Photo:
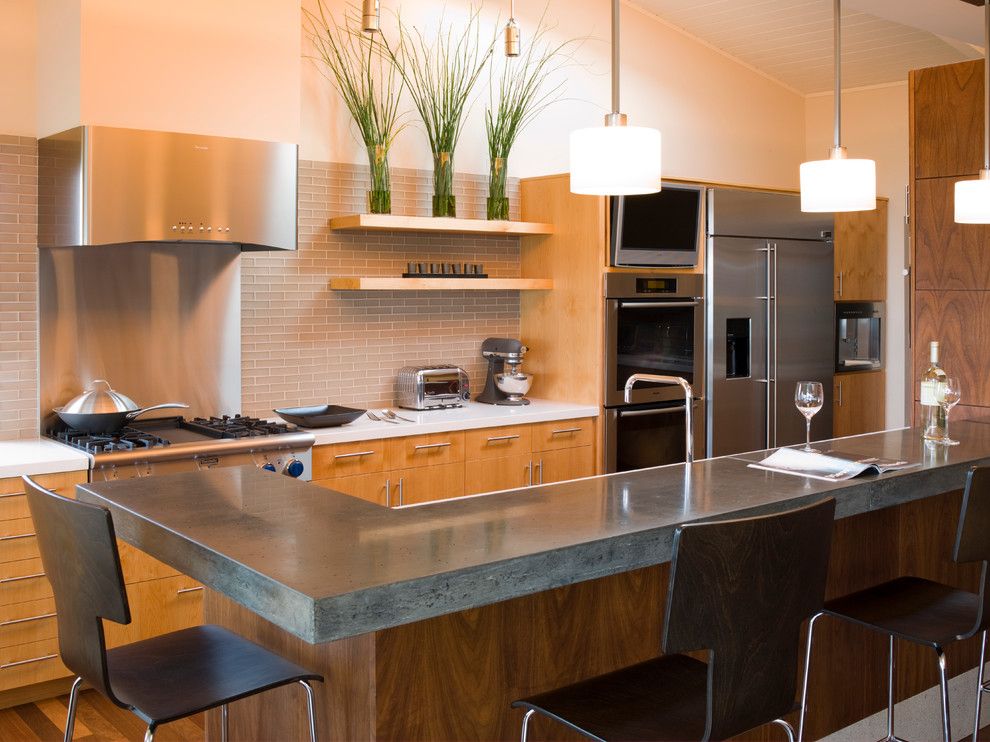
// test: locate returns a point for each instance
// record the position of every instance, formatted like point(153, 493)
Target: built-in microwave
point(658, 229)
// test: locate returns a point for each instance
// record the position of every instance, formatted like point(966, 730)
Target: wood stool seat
point(913, 609)
point(185, 672)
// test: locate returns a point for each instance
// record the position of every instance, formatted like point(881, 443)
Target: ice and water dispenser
point(737, 347)
point(858, 341)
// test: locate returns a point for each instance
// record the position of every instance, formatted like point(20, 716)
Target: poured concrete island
point(428, 620)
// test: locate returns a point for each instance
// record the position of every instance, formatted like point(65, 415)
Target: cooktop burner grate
point(238, 426)
point(127, 439)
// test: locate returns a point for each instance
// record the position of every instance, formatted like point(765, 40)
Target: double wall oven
point(654, 324)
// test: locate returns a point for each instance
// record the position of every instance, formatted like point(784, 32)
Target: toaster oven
point(432, 387)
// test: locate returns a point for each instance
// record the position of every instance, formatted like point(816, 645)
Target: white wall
point(18, 67)
point(875, 125)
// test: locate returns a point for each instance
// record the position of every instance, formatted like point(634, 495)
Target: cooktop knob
point(294, 468)
point(269, 467)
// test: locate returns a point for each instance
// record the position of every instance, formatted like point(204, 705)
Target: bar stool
point(925, 612)
point(162, 679)
point(740, 589)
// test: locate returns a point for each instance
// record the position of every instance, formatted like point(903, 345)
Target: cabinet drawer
point(17, 540)
point(23, 580)
point(12, 506)
point(139, 567)
point(426, 484)
point(424, 450)
point(563, 434)
point(158, 607)
point(34, 662)
point(348, 459)
point(564, 464)
point(490, 475)
point(22, 623)
point(370, 487)
point(497, 443)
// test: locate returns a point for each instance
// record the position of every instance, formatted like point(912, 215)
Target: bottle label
point(931, 393)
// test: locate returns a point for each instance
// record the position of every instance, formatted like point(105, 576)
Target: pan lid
point(100, 400)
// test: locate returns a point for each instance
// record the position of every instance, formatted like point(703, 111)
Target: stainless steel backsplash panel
point(160, 322)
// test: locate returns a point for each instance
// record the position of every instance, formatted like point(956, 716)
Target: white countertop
point(33, 456)
point(471, 416)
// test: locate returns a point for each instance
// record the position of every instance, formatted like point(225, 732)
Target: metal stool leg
point(149, 735)
point(787, 728)
point(980, 690)
point(891, 663)
point(943, 682)
point(807, 670)
point(70, 719)
point(310, 703)
point(525, 724)
point(224, 723)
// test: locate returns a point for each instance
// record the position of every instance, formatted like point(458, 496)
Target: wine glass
point(949, 398)
point(808, 398)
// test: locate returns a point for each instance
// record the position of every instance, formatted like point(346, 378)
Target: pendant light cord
point(838, 74)
point(615, 56)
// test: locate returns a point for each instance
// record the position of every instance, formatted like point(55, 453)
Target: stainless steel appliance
point(433, 387)
point(100, 185)
point(659, 229)
point(169, 445)
point(858, 335)
point(769, 272)
point(505, 384)
point(654, 325)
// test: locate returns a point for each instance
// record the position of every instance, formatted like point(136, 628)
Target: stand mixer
point(505, 386)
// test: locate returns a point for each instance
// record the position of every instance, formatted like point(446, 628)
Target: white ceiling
point(791, 40)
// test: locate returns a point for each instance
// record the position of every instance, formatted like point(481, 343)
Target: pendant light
point(973, 196)
point(838, 183)
point(371, 20)
point(615, 159)
point(512, 32)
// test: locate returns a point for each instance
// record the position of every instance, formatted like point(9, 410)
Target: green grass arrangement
point(523, 91)
point(370, 86)
point(440, 73)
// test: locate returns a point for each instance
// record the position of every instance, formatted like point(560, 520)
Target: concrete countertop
point(35, 456)
point(325, 566)
point(471, 416)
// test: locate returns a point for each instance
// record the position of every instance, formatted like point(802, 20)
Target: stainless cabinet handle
point(565, 430)
point(529, 473)
point(13, 494)
point(388, 493)
point(13, 621)
point(840, 394)
point(27, 662)
point(840, 283)
point(540, 467)
point(432, 445)
point(5, 580)
point(353, 455)
point(656, 304)
point(17, 536)
point(401, 479)
point(495, 438)
point(188, 590)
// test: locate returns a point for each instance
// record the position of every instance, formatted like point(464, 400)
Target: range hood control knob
point(269, 467)
point(294, 468)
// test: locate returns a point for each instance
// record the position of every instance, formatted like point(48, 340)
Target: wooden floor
point(97, 720)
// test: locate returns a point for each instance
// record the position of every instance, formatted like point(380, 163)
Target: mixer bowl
point(514, 384)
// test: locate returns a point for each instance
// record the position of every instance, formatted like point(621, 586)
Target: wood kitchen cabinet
point(858, 403)
point(563, 464)
point(427, 483)
point(491, 475)
point(861, 255)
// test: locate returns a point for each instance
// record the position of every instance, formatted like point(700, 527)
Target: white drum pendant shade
point(615, 160)
point(973, 201)
point(838, 184)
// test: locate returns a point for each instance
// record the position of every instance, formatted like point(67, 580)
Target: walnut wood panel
point(30, 621)
point(563, 434)
point(489, 475)
point(427, 483)
point(370, 487)
point(858, 402)
point(424, 450)
point(14, 505)
point(348, 459)
point(563, 464)
point(960, 321)
point(947, 121)
point(861, 254)
point(947, 255)
point(564, 327)
point(498, 443)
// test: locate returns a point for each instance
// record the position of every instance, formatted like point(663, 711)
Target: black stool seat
point(175, 675)
point(660, 699)
point(913, 609)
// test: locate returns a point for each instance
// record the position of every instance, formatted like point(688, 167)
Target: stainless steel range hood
point(102, 186)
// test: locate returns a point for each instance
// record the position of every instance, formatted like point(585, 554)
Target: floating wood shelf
point(388, 283)
point(396, 223)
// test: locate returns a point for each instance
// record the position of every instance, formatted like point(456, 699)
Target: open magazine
point(832, 466)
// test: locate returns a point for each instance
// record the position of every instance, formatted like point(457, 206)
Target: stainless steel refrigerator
point(770, 318)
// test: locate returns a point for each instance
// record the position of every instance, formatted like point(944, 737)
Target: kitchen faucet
point(688, 403)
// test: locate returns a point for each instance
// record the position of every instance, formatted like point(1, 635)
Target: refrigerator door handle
point(770, 342)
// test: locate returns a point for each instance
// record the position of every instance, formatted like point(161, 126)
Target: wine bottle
point(932, 389)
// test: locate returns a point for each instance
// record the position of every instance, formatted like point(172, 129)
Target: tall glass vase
point(444, 203)
point(380, 195)
point(498, 203)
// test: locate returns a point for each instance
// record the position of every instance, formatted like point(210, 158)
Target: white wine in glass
point(949, 398)
point(808, 398)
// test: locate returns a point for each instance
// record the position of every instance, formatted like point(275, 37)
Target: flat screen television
point(661, 229)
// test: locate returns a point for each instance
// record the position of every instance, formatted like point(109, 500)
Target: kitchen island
point(428, 619)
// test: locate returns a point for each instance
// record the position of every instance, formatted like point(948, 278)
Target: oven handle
point(661, 411)
point(656, 304)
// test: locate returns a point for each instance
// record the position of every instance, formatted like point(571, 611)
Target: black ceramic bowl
point(319, 416)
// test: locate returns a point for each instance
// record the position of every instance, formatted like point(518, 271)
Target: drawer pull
point(5, 580)
point(12, 494)
point(493, 439)
point(188, 590)
point(17, 536)
point(8, 665)
point(432, 445)
point(565, 430)
point(353, 455)
point(13, 621)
